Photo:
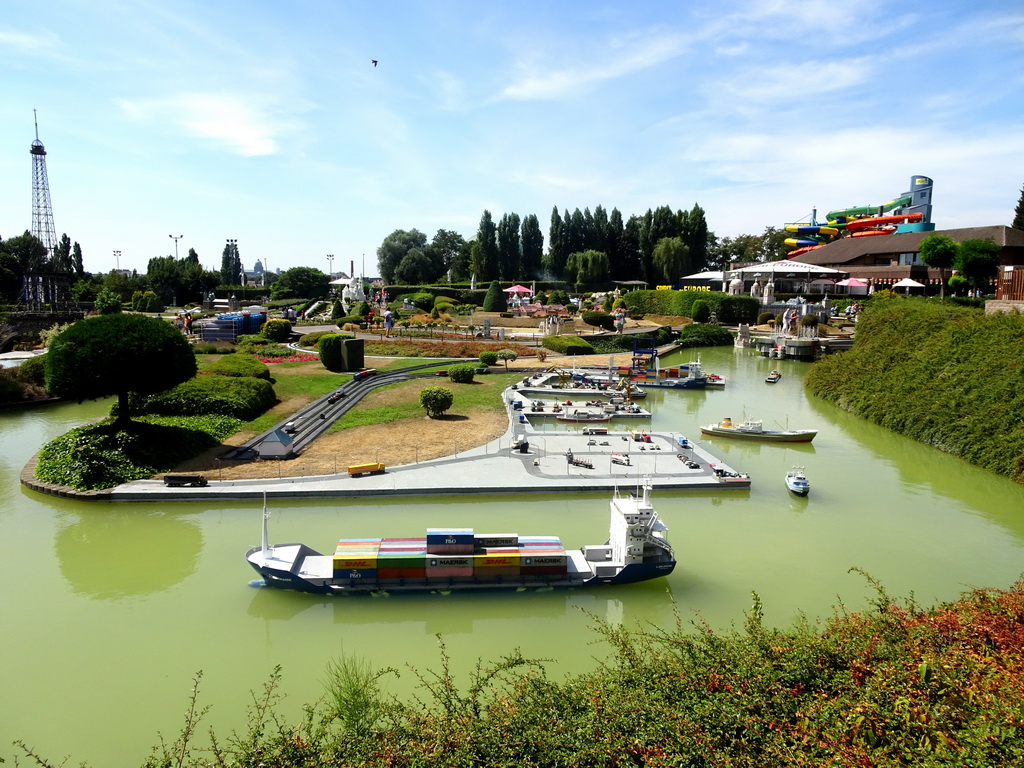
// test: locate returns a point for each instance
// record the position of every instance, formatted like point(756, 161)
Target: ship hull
point(287, 578)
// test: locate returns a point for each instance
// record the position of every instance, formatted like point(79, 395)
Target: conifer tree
point(1018, 214)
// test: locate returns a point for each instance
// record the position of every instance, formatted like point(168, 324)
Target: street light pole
point(175, 238)
point(117, 257)
point(330, 265)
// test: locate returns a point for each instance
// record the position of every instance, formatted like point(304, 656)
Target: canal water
point(108, 611)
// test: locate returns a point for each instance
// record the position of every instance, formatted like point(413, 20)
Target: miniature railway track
point(311, 421)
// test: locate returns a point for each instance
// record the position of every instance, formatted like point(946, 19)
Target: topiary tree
point(494, 301)
point(599, 319)
point(489, 358)
point(276, 330)
point(329, 347)
point(700, 312)
point(462, 374)
point(436, 400)
point(117, 354)
point(764, 317)
point(507, 355)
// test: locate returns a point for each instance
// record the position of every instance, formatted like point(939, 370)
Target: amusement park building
point(887, 260)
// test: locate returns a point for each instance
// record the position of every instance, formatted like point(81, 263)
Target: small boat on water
point(691, 376)
point(584, 415)
point(773, 377)
point(754, 430)
point(459, 559)
point(796, 481)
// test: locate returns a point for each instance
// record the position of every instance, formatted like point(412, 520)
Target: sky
point(266, 122)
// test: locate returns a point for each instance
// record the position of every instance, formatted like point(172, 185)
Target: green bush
point(704, 335)
point(607, 345)
point(568, 345)
point(240, 365)
point(436, 400)
point(146, 301)
point(331, 355)
point(700, 312)
point(729, 309)
point(599, 319)
point(96, 456)
point(239, 397)
point(422, 300)
point(463, 373)
point(764, 317)
point(32, 371)
point(489, 358)
point(276, 330)
point(810, 320)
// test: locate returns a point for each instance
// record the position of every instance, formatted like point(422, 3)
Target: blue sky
point(266, 122)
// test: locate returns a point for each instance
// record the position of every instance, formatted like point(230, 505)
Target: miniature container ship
point(459, 558)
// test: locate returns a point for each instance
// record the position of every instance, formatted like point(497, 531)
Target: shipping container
point(355, 573)
point(342, 562)
point(496, 540)
point(391, 572)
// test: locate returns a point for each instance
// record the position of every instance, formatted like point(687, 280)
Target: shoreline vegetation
point(945, 375)
point(894, 685)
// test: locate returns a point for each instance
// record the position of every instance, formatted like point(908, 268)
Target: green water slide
point(869, 210)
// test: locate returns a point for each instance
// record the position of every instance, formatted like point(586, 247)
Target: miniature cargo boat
point(754, 430)
point(452, 559)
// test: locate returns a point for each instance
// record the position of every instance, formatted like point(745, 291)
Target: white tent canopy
point(704, 276)
point(785, 266)
point(906, 282)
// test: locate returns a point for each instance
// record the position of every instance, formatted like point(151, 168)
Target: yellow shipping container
point(342, 562)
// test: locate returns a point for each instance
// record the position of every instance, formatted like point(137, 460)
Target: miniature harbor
point(528, 458)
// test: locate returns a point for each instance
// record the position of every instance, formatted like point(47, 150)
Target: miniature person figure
point(389, 322)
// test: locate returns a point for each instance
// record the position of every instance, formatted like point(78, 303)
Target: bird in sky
point(374, 62)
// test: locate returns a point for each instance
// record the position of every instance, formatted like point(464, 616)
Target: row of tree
point(583, 247)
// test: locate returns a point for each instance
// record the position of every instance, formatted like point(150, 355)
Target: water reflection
point(109, 553)
point(457, 612)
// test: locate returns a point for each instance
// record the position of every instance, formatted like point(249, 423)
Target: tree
point(696, 238)
point(231, 264)
point(415, 268)
point(486, 265)
point(19, 255)
point(436, 400)
point(107, 302)
point(494, 299)
point(301, 283)
point(532, 240)
point(117, 354)
point(1018, 213)
point(939, 252)
point(394, 248)
point(670, 260)
point(76, 260)
point(510, 266)
point(507, 356)
point(554, 260)
point(978, 262)
point(62, 255)
point(445, 249)
point(586, 267)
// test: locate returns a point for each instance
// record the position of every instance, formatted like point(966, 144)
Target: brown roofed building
point(890, 258)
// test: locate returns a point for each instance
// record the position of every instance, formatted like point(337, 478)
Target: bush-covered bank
point(948, 376)
point(102, 456)
point(896, 685)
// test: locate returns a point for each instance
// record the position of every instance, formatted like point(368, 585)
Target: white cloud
point(248, 126)
point(543, 78)
point(27, 43)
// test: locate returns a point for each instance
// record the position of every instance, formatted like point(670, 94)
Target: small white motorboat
point(796, 481)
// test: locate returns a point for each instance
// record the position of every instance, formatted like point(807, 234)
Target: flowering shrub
point(289, 359)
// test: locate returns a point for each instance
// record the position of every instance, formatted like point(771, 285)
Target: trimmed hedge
point(729, 309)
point(331, 355)
point(240, 365)
point(599, 320)
point(568, 345)
point(704, 335)
point(243, 398)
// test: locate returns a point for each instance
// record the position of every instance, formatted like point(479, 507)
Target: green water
point(110, 610)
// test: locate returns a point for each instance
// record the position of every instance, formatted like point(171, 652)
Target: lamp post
point(175, 238)
point(330, 265)
point(117, 258)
